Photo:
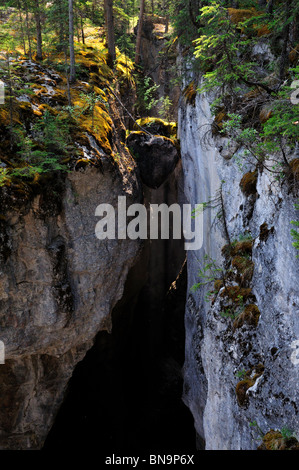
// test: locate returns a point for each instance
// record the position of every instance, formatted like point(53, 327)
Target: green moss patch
point(249, 380)
point(157, 126)
point(190, 93)
point(234, 293)
point(274, 440)
point(244, 267)
point(250, 316)
point(240, 248)
point(248, 183)
point(294, 164)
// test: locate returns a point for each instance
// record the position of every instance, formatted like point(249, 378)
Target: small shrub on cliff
point(4, 177)
point(220, 47)
point(165, 107)
point(146, 95)
point(235, 310)
point(43, 150)
point(211, 272)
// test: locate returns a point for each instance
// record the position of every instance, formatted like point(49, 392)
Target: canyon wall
point(241, 377)
point(59, 284)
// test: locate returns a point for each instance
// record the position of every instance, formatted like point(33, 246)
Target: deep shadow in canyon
point(126, 393)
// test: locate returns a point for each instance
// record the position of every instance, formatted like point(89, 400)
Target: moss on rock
point(274, 440)
point(234, 293)
point(238, 15)
point(250, 316)
point(240, 248)
point(157, 126)
point(218, 284)
point(244, 267)
point(190, 93)
point(217, 124)
point(249, 380)
point(294, 164)
point(248, 183)
point(241, 390)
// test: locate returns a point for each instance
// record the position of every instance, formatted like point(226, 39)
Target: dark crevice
point(127, 392)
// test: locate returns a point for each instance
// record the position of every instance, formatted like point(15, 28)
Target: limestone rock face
point(58, 285)
point(238, 373)
point(156, 157)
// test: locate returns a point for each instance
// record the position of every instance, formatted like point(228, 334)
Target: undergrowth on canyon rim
point(255, 105)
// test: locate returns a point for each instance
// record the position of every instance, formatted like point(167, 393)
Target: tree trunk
point(21, 26)
point(28, 30)
point(262, 3)
point(270, 6)
point(153, 7)
point(139, 32)
point(62, 38)
point(109, 19)
point(166, 14)
point(69, 97)
point(166, 24)
point(71, 43)
point(93, 8)
point(192, 15)
point(39, 52)
point(76, 15)
point(82, 30)
point(284, 59)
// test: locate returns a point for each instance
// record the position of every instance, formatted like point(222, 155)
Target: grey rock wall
point(216, 351)
point(58, 286)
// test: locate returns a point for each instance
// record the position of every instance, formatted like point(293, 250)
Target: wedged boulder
point(157, 126)
point(155, 155)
